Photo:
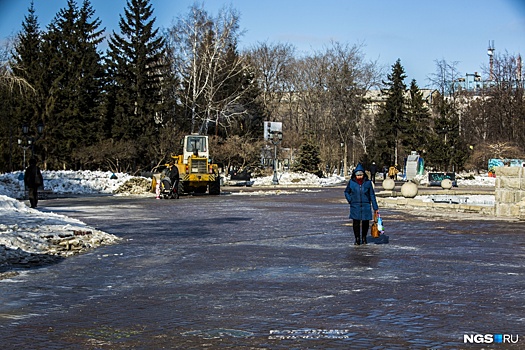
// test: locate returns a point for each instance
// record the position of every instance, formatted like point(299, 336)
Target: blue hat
point(359, 168)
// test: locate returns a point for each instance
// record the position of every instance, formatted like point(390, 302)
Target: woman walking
point(361, 196)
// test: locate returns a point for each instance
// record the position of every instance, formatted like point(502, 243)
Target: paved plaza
point(271, 271)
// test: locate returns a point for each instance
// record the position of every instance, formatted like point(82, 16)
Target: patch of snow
point(298, 179)
point(488, 200)
point(65, 182)
point(29, 237)
point(462, 181)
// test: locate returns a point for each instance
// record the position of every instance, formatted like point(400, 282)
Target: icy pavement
point(279, 272)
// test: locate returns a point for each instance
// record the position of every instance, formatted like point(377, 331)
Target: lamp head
point(40, 127)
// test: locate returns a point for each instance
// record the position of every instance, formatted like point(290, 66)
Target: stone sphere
point(409, 190)
point(446, 184)
point(388, 184)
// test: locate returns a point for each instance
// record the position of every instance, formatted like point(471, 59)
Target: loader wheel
point(215, 186)
point(181, 189)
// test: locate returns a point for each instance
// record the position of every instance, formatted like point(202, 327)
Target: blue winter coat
point(361, 198)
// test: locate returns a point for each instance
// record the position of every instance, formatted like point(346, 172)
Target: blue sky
point(417, 32)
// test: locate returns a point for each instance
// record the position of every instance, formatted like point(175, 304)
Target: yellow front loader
point(197, 174)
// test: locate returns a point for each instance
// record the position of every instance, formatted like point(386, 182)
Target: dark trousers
point(33, 196)
point(360, 228)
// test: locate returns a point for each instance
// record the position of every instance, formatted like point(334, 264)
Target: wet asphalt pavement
point(270, 272)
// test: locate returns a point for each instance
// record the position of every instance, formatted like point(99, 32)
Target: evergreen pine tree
point(17, 102)
point(448, 151)
point(418, 117)
point(74, 76)
point(392, 120)
point(28, 65)
point(308, 159)
point(137, 64)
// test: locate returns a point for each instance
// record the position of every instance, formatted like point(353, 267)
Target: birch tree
point(212, 75)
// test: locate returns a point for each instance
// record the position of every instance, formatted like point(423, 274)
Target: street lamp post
point(353, 149)
point(277, 137)
point(449, 150)
point(28, 144)
point(453, 151)
point(341, 168)
point(28, 141)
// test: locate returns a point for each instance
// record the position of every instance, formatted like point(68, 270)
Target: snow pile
point(462, 181)
point(298, 179)
point(9, 204)
point(483, 200)
point(83, 181)
point(66, 182)
point(477, 181)
point(29, 237)
point(135, 185)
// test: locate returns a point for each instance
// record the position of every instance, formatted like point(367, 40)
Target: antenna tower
point(490, 52)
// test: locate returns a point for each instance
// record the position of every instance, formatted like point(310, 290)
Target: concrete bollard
point(446, 184)
point(409, 190)
point(389, 185)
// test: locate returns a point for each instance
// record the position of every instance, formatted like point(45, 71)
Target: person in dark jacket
point(373, 172)
point(33, 180)
point(173, 174)
point(361, 196)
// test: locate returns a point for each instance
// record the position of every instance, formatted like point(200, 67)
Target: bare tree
point(495, 115)
point(506, 100)
point(477, 121)
point(309, 82)
point(8, 80)
point(445, 76)
point(11, 88)
point(350, 76)
point(445, 79)
point(184, 39)
point(318, 96)
point(236, 151)
point(272, 64)
point(206, 64)
point(12, 82)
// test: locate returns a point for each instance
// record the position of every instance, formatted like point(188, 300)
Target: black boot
point(364, 238)
point(357, 240)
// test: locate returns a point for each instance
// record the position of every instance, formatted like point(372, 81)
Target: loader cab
point(195, 145)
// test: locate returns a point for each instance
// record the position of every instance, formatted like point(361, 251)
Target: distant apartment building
point(376, 99)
